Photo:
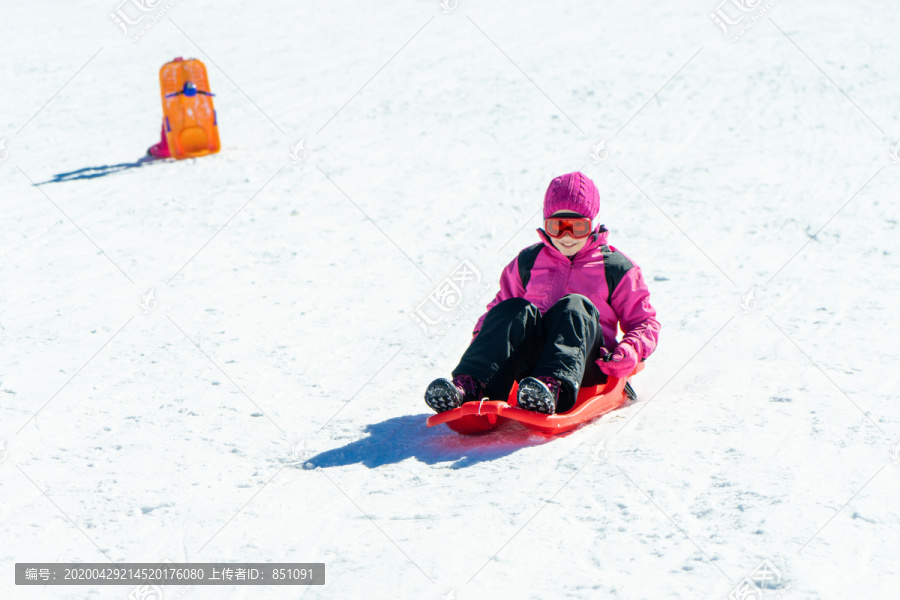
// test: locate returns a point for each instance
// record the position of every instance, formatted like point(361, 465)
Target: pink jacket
point(555, 275)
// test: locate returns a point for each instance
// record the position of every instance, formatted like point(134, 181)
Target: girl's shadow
point(399, 438)
point(100, 170)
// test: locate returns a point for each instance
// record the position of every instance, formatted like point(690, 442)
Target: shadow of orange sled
point(189, 117)
point(592, 402)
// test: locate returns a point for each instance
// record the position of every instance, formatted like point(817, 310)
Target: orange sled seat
point(189, 118)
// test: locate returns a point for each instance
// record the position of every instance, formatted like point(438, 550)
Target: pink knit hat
point(575, 192)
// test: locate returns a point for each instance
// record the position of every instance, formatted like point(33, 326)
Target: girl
point(559, 307)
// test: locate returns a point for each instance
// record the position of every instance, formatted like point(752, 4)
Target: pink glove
point(621, 362)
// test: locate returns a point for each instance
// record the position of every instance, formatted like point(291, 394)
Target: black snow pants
point(516, 341)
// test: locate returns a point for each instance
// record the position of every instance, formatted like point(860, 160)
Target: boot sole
point(535, 396)
point(442, 396)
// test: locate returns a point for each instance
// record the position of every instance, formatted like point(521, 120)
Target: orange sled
point(189, 118)
point(592, 402)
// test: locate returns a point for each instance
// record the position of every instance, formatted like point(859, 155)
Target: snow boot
point(443, 394)
point(538, 394)
point(160, 150)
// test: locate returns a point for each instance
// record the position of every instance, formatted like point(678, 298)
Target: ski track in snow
point(264, 405)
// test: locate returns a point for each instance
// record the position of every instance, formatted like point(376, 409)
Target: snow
point(265, 404)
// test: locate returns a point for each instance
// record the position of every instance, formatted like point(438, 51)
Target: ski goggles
point(579, 227)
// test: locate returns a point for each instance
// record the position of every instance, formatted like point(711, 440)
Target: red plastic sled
point(592, 402)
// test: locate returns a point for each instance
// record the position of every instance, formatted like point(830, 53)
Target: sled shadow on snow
point(100, 171)
point(399, 438)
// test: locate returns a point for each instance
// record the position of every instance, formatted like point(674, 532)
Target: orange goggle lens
point(579, 228)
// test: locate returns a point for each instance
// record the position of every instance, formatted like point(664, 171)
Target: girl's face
point(567, 244)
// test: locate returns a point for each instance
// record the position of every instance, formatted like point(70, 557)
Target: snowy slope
point(264, 404)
